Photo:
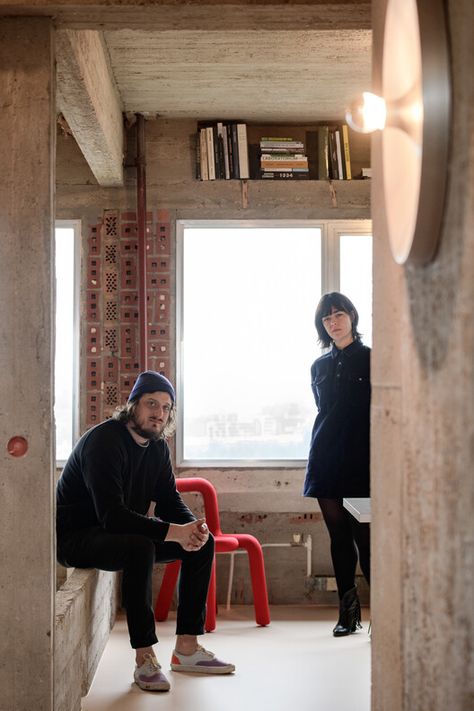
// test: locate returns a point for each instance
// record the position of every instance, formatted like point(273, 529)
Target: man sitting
point(116, 473)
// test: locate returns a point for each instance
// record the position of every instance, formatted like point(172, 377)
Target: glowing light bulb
point(367, 113)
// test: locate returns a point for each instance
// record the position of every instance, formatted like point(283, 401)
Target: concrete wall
point(423, 434)
point(266, 502)
point(85, 612)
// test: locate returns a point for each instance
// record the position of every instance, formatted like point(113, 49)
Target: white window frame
point(75, 225)
point(331, 231)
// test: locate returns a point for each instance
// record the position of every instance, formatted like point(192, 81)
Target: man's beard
point(151, 435)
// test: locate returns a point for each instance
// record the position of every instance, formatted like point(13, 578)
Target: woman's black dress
point(339, 457)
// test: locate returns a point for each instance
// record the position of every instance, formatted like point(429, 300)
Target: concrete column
point(387, 476)
point(423, 432)
point(386, 438)
point(27, 147)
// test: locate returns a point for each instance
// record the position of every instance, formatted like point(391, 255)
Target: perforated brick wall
point(111, 328)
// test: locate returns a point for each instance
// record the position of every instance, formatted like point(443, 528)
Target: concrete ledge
point(86, 607)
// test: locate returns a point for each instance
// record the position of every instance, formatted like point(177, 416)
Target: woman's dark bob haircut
point(339, 302)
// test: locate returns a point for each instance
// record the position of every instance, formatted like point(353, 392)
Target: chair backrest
point(209, 495)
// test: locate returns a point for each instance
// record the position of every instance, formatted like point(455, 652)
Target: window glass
point(246, 337)
point(356, 278)
point(248, 341)
point(65, 360)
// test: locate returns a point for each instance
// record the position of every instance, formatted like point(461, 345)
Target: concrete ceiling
point(260, 76)
point(270, 61)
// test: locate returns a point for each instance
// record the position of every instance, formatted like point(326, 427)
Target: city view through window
point(247, 340)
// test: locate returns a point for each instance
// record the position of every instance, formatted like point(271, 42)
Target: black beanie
point(151, 382)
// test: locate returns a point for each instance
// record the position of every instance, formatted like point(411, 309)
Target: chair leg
point(210, 624)
point(230, 580)
point(257, 575)
point(168, 584)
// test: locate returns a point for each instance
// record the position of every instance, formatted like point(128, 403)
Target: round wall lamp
point(414, 117)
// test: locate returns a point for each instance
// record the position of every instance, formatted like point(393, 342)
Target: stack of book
point(222, 151)
point(282, 158)
point(334, 159)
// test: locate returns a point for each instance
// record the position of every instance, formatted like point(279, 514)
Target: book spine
point(333, 174)
point(220, 151)
point(286, 169)
point(210, 153)
point(203, 154)
point(323, 153)
point(286, 157)
point(226, 151)
point(294, 147)
point(243, 151)
point(276, 139)
point(269, 150)
point(231, 150)
point(347, 153)
point(198, 156)
point(254, 161)
point(235, 151)
point(340, 167)
point(217, 166)
point(284, 175)
point(284, 165)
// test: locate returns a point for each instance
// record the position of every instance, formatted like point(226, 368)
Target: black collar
point(347, 351)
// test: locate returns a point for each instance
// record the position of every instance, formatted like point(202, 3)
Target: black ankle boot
point(349, 614)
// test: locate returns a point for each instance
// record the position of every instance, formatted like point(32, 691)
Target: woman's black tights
point(349, 540)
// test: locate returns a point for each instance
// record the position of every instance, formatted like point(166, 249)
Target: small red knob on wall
point(17, 446)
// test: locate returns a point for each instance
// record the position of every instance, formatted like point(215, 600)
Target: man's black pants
point(136, 555)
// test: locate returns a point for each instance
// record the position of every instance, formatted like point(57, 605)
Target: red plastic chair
point(224, 543)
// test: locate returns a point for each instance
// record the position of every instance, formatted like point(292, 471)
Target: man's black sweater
point(109, 480)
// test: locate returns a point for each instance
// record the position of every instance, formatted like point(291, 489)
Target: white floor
point(294, 664)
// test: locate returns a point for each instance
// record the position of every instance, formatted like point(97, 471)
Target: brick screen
point(111, 327)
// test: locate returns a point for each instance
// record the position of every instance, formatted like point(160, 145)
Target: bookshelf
point(309, 135)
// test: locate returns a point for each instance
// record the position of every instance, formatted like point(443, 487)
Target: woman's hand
point(190, 536)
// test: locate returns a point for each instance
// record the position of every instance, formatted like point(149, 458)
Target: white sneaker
point(201, 662)
point(149, 675)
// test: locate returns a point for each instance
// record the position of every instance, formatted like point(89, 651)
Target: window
point(247, 293)
point(355, 276)
point(67, 235)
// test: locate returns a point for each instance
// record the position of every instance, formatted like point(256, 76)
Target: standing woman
point(338, 462)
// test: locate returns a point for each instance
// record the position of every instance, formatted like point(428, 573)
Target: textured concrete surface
point(423, 430)
point(278, 75)
point(89, 100)
point(26, 330)
point(86, 606)
point(178, 60)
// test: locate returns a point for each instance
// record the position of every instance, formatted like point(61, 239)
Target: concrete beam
point(229, 15)
point(88, 99)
